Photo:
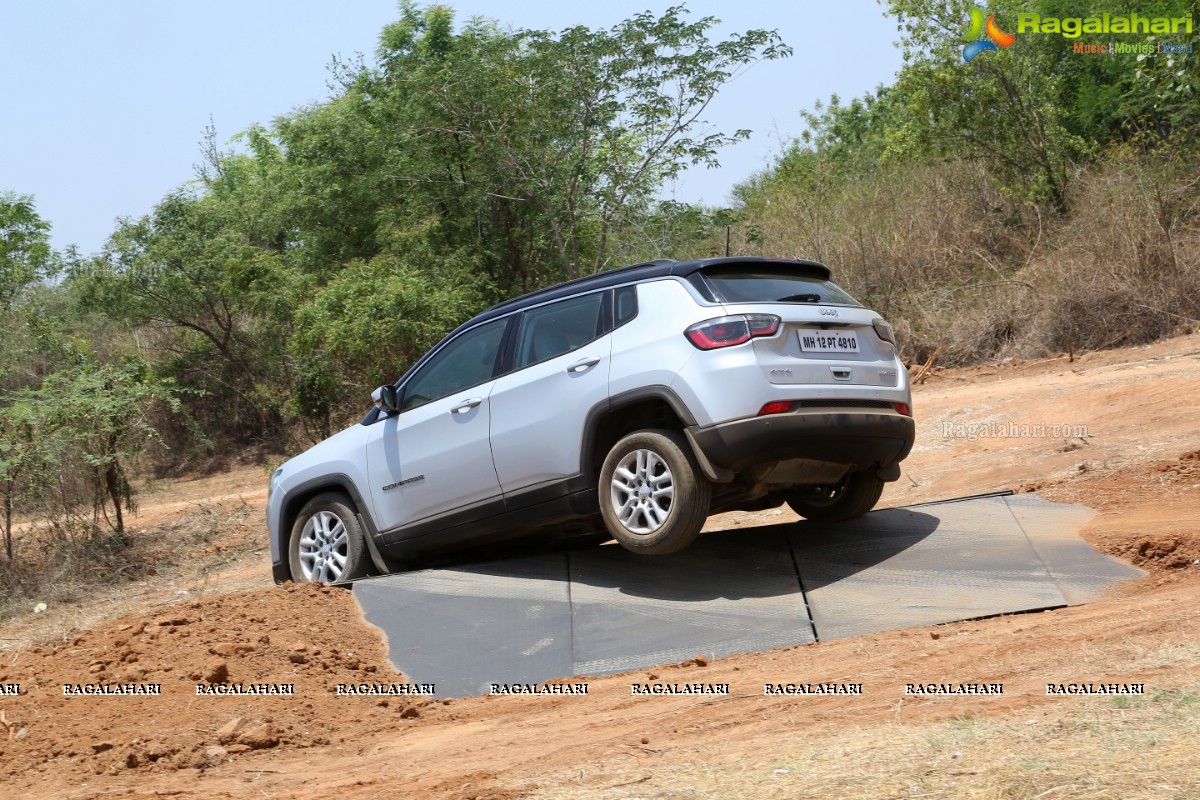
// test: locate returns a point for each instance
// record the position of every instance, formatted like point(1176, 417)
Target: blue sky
point(105, 104)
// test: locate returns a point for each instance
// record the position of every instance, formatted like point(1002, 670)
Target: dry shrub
point(961, 270)
point(924, 246)
point(66, 560)
point(898, 230)
point(1125, 265)
point(62, 559)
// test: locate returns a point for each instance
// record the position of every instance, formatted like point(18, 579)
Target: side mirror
point(385, 398)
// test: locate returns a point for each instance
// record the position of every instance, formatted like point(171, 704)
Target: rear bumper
point(858, 440)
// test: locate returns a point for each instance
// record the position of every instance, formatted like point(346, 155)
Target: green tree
point(25, 254)
point(22, 452)
point(1004, 108)
point(468, 164)
point(73, 440)
point(217, 302)
point(373, 320)
point(579, 127)
point(1034, 110)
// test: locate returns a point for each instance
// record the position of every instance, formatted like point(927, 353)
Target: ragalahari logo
point(983, 37)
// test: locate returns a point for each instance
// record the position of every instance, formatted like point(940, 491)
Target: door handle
point(584, 363)
point(466, 405)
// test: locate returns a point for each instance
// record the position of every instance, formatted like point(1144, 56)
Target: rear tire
point(327, 542)
point(653, 496)
point(854, 495)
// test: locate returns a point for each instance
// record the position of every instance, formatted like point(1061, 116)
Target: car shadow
point(828, 553)
point(735, 564)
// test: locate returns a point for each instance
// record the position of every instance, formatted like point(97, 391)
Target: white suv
point(638, 400)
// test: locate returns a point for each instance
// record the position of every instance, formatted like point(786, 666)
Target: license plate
point(814, 340)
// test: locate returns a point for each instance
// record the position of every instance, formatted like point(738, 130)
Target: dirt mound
point(1149, 512)
point(309, 638)
point(1171, 551)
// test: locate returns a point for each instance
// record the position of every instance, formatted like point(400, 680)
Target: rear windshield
point(773, 286)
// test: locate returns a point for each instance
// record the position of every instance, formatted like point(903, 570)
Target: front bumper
point(859, 440)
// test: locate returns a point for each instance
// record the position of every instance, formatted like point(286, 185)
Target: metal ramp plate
point(902, 567)
point(1082, 574)
point(505, 621)
point(727, 593)
point(604, 610)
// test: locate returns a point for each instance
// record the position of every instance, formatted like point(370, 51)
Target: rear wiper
point(800, 298)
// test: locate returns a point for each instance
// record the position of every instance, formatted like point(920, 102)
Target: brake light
point(775, 407)
point(902, 408)
point(733, 330)
point(883, 330)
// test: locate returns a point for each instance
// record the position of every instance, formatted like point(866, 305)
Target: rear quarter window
point(773, 286)
point(626, 305)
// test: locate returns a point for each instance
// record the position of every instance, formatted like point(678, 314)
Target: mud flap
point(888, 474)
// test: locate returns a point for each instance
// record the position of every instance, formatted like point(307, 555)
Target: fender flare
point(295, 497)
point(628, 398)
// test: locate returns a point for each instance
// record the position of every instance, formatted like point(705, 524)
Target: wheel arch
point(300, 494)
point(646, 407)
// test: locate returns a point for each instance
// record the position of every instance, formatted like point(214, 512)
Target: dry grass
point(959, 268)
point(1110, 748)
point(67, 572)
point(1126, 266)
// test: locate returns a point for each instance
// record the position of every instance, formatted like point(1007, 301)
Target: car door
point(560, 372)
point(433, 458)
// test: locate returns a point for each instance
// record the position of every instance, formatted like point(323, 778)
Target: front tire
point(653, 497)
point(852, 496)
point(327, 542)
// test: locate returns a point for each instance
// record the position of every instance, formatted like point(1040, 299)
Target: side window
point(558, 328)
point(467, 361)
point(626, 305)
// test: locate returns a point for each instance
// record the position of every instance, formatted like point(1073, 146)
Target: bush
point(960, 269)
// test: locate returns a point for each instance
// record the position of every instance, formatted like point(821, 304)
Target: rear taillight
point(902, 408)
point(883, 330)
point(729, 331)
